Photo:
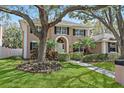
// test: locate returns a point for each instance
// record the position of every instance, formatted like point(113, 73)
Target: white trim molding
point(67, 42)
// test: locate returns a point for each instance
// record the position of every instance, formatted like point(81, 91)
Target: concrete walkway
point(96, 69)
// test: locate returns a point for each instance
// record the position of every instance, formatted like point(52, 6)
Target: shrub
point(95, 57)
point(100, 57)
point(113, 56)
point(63, 57)
point(52, 55)
point(76, 56)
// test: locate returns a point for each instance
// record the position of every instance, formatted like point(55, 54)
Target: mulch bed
point(39, 67)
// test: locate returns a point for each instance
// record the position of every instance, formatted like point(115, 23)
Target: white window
point(38, 28)
point(79, 32)
point(33, 45)
point(61, 30)
point(112, 47)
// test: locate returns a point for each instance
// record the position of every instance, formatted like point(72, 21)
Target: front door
point(60, 47)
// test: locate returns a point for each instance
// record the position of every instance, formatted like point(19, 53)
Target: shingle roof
point(66, 23)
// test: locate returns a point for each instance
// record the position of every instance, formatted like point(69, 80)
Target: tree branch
point(24, 16)
point(73, 8)
point(111, 28)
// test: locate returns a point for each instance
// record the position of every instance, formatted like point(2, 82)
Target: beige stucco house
point(66, 33)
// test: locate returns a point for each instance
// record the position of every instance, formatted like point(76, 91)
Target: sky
point(16, 19)
point(32, 12)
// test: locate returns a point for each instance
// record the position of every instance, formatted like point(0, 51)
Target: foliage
point(76, 45)
point(88, 42)
point(12, 37)
point(76, 56)
point(51, 44)
point(95, 57)
point(52, 55)
point(100, 57)
point(63, 57)
point(34, 53)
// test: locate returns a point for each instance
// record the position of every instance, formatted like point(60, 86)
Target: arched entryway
point(62, 44)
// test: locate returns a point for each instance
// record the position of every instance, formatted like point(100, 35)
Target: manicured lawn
point(106, 65)
point(70, 76)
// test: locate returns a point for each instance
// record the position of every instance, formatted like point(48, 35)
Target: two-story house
point(64, 33)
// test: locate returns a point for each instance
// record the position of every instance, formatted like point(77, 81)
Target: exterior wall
point(71, 39)
point(31, 37)
point(98, 48)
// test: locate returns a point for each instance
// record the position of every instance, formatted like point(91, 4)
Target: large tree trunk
point(122, 47)
point(42, 47)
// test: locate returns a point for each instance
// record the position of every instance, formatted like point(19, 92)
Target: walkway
point(97, 69)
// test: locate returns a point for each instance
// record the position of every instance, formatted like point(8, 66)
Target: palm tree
point(77, 45)
point(87, 43)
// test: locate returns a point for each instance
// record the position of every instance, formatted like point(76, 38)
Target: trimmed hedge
point(76, 56)
point(63, 57)
point(100, 57)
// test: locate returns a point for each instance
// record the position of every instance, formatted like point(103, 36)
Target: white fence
point(8, 52)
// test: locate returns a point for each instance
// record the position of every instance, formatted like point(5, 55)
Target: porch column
point(104, 50)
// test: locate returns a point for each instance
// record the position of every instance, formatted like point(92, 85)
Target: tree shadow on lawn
point(86, 78)
point(93, 82)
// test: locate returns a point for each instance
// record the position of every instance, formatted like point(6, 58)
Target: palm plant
point(77, 45)
point(87, 43)
point(51, 44)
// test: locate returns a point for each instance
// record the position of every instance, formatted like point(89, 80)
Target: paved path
point(97, 69)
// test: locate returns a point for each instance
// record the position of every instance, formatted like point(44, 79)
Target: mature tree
point(112, 18)
point(56, 13)
point(12, 37)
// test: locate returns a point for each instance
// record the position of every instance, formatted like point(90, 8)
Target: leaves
point(12, 37)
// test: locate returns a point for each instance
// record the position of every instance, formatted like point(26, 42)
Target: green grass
point(106, 65)
point(70, 76)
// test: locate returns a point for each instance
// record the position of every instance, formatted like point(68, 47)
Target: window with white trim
point(38, 28)
point(61, 30)
point(79, 32)
point(33, 45)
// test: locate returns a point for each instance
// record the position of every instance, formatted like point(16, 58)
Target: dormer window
point(62, 30)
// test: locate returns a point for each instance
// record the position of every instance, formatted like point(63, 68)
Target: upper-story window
point(79, 32)
point(38, 29)
point(62, 30)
